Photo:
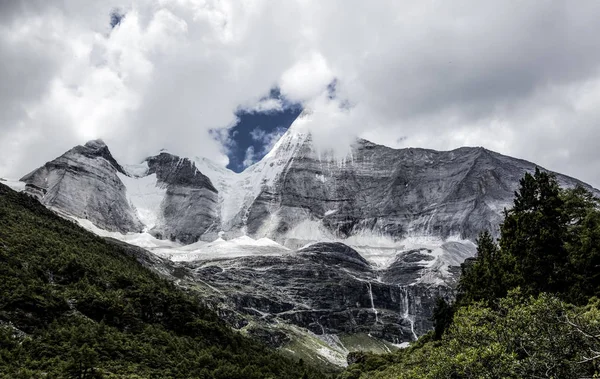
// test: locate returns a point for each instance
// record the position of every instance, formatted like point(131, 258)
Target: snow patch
point(143, 240)
point(217, 249)
point(310, 230)
point(136, 170)
point(14, 184)
point(145, 196)
point(267, 242)
point(220, 248)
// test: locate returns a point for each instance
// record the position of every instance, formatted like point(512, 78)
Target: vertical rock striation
point(83, 183)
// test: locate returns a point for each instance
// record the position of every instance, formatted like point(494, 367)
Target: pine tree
point(481, 278)
point(532, 237)
point(442, 317)
point(582, 243)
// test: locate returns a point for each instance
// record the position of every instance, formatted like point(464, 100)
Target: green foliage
point(481, 278)
point(523, 337)
point(74, 305)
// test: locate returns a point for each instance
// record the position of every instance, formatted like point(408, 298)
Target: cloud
point(519, 78)
point(266, 106)
point(169, 74)
point(250, 157)
point(267, 139)
point(306, 79)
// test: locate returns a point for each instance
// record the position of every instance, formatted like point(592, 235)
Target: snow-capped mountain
point(295, 195)
point(334, 245)
point(165, 195)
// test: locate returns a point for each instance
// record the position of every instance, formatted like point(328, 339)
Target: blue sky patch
point(116, 16)
point(258, 129)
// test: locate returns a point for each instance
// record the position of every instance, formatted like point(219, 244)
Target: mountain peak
point(97, 148)
point(95, 144)
point(171, 169)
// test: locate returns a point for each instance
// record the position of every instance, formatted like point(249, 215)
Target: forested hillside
point(527, 305)
point(75, 305)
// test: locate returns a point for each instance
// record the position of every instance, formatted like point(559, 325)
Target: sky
point(224, 78)
point(257, 130)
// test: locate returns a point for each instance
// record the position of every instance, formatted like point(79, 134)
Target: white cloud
point(250, 157)
point(266, 106)
point(167, 76)
point(519, 78)
point(306, 79)
point(267, 139)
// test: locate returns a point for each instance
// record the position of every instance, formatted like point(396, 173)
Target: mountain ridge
point(470, 184)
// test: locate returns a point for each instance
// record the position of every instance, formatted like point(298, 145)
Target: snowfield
point(380, 252)
point(145, 196)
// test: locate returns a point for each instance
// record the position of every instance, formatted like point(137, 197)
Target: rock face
point(165, 195)
point(84, 183)
point(327, 288)
point(377, 190)
point(295, 195)
point(189, 208)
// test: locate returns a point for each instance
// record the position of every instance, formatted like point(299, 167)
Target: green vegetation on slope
point(514, 317)
point(75, 305)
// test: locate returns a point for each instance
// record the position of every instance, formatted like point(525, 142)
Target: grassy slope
point(75, 305)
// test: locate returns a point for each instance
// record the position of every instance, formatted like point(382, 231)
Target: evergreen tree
point(442, 317)
point(550, 242)
point(532, 237)
point(481, 278)
point(582, 243)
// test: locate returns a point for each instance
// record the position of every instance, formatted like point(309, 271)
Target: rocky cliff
point(306, 195)
point(83, 183)
point(165, 195)
point(328, 288)
point(189, 207)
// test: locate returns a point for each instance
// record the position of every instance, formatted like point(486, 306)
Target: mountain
point(188, 211)
point(84, 183)
point(359, 245)
point(298, 194)
point(165, 195)
point(295, 195)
